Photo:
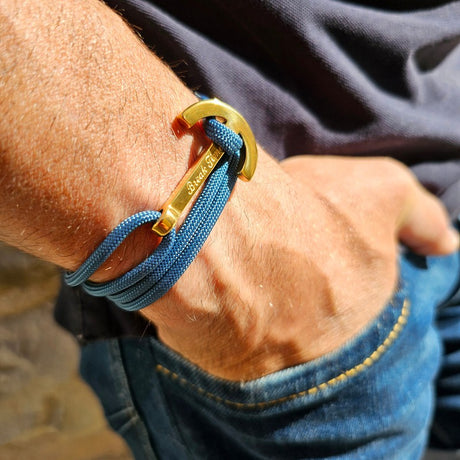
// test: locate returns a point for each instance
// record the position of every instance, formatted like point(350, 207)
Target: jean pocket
point(308, 380)
point(372, 398)
point(342, 403)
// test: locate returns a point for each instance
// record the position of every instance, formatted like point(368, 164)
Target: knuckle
point(399, 176)
point(395, 168)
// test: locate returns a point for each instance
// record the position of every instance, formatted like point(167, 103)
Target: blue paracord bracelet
point(151, 279)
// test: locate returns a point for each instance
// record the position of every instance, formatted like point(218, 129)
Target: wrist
point(146, 178)
point(165, 266)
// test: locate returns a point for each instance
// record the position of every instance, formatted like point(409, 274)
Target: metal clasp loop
point(206, 162)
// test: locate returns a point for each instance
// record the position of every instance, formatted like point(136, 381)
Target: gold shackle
point(208, 159)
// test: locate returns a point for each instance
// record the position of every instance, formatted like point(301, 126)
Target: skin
point(86, 140)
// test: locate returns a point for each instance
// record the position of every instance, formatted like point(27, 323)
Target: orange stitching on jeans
point(368, 362)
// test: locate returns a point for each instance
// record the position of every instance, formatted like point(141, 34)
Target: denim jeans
point(374, 398)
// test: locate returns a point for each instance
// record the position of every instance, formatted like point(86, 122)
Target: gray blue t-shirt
point(356, 78)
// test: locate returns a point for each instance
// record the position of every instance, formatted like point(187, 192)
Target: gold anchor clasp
point(207, 161)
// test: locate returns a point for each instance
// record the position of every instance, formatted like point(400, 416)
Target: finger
point(425, 226)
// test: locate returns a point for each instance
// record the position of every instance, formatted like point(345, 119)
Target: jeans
point(375, 398)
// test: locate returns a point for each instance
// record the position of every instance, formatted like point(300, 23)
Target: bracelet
point(232, 154)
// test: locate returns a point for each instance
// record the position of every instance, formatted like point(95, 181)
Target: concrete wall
point(46, 411)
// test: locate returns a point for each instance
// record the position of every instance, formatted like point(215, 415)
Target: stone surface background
point(46, 411)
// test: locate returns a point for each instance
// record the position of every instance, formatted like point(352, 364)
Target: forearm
point(85, 132)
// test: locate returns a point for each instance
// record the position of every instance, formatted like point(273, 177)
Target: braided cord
point(153, 277)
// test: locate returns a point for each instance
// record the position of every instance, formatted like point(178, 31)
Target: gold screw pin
point(207, 161)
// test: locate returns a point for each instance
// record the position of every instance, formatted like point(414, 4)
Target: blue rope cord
point(153, 278)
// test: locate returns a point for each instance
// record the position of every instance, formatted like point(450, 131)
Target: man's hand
point(299, 263)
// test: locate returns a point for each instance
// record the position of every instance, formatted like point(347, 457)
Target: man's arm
point(85, 132)
point(86, 140)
